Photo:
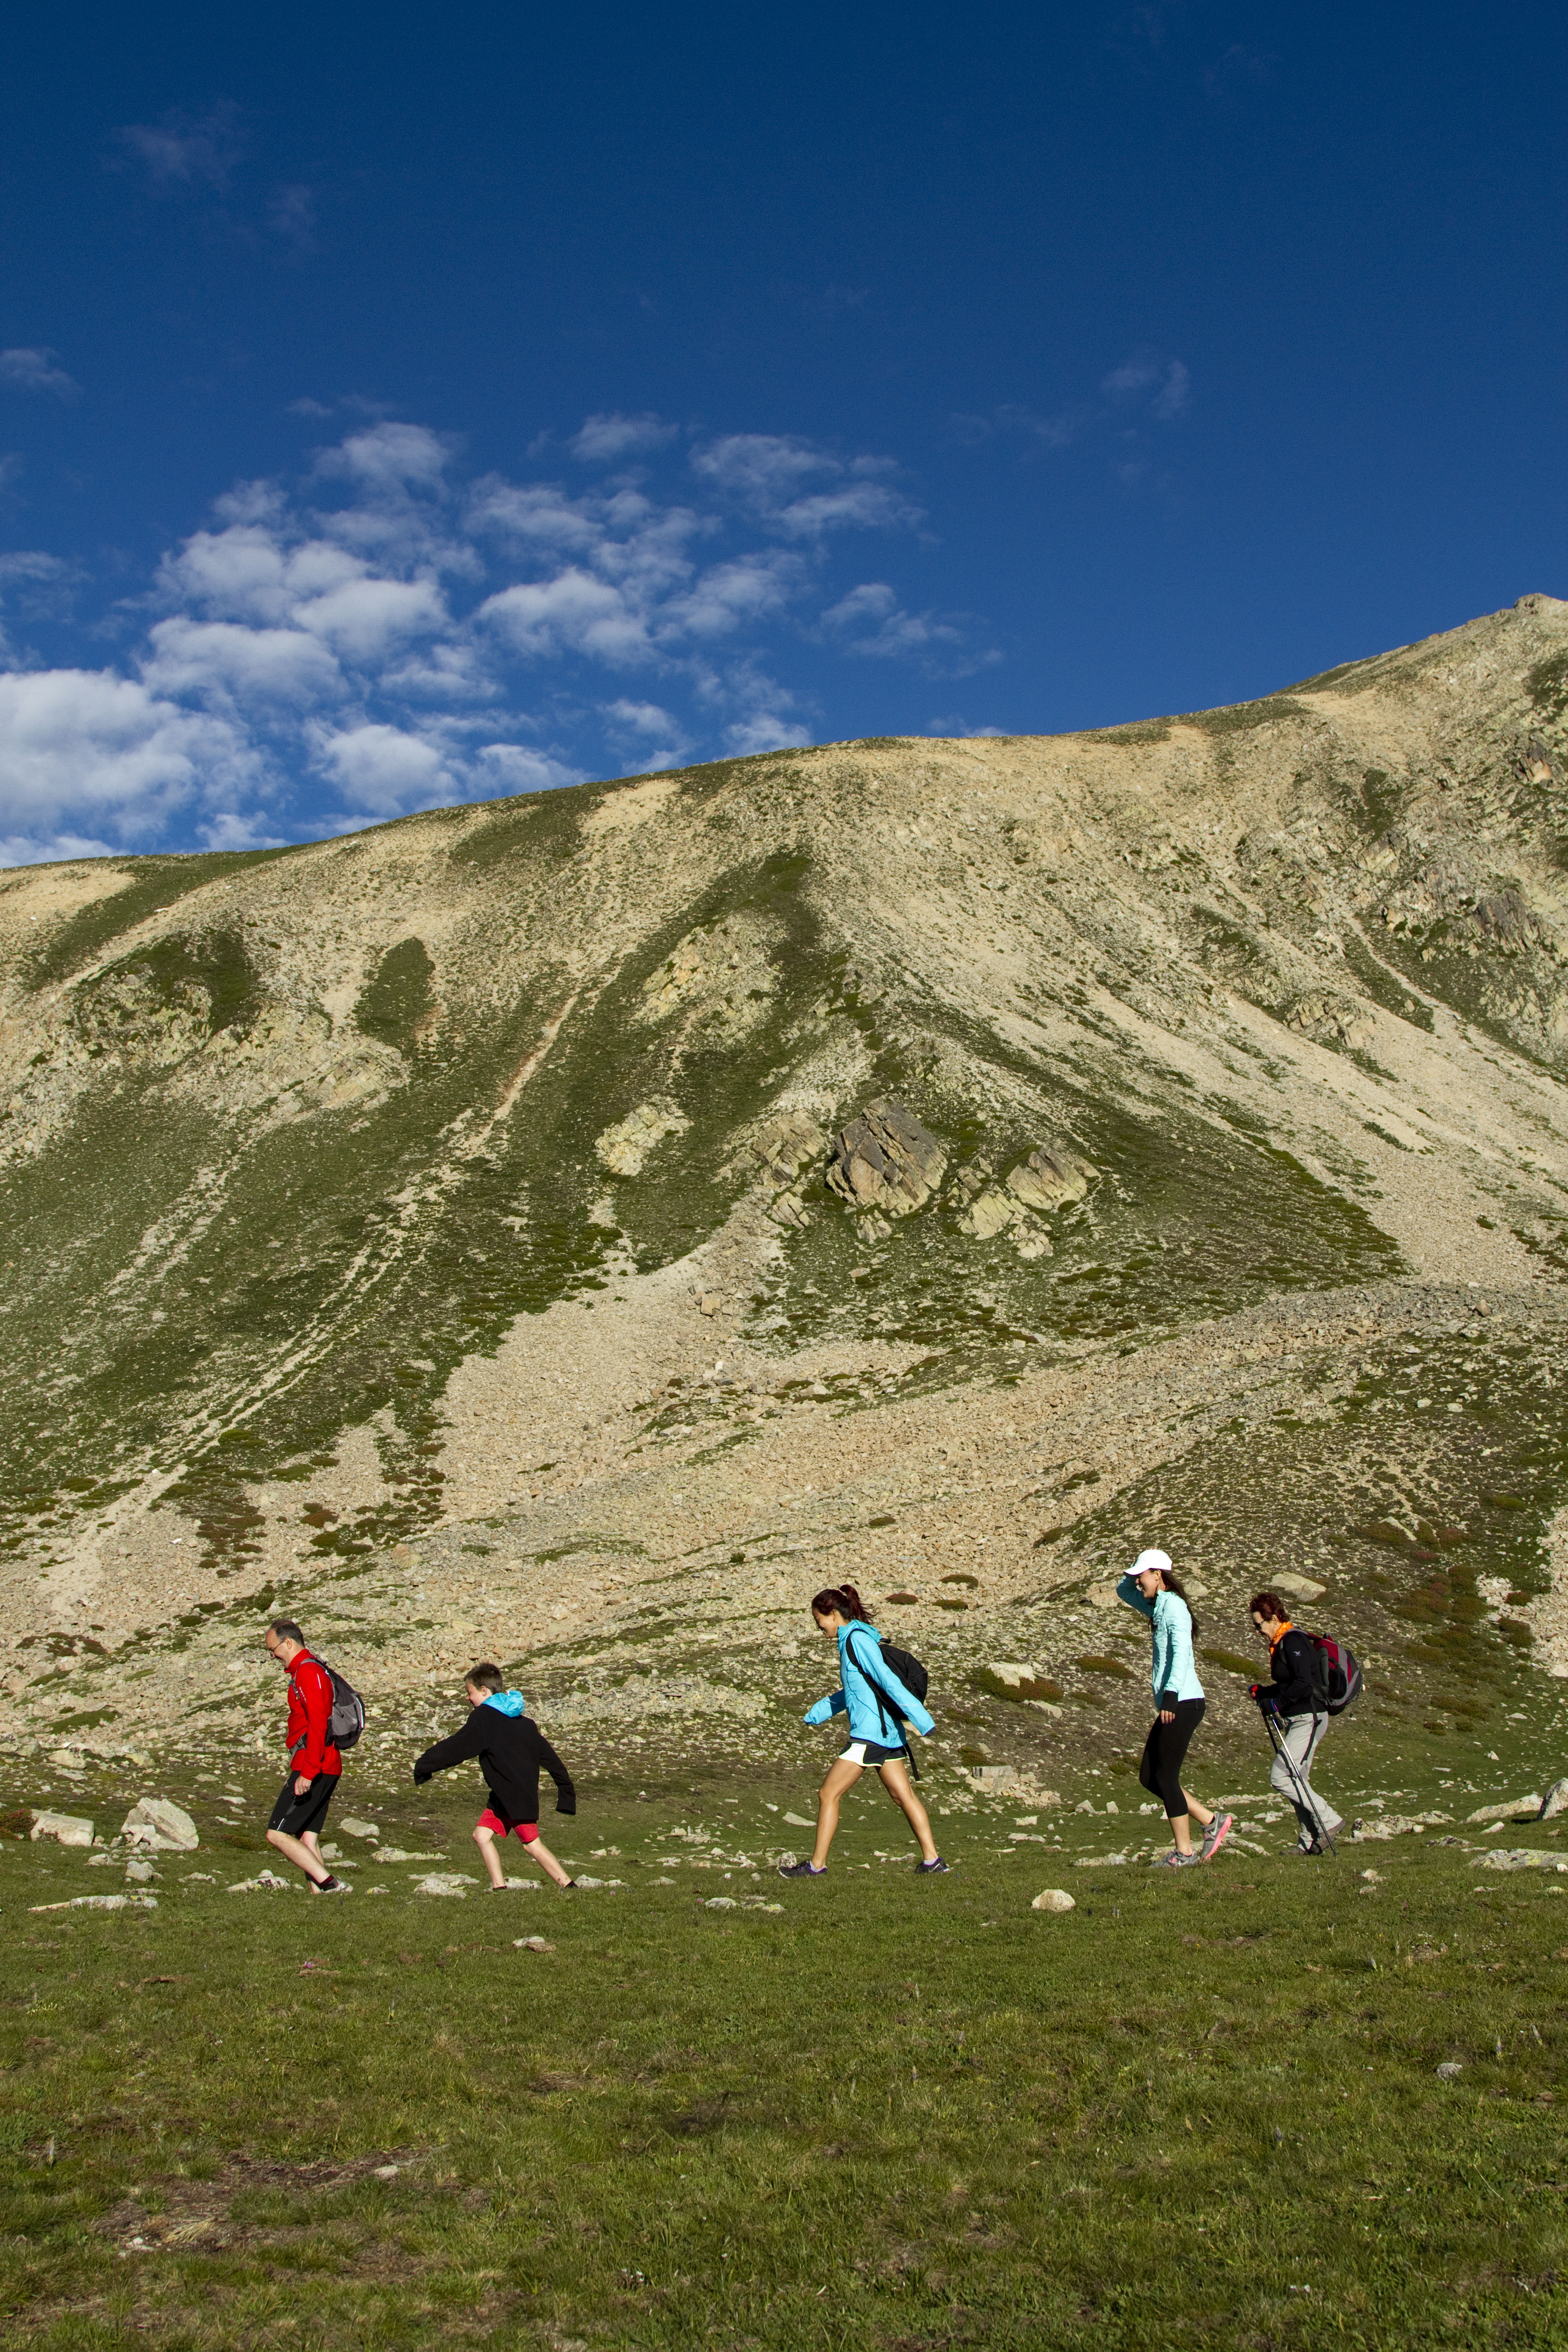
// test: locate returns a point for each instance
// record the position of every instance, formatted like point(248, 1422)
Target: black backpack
point(1336, 1675)
point(915, 1680)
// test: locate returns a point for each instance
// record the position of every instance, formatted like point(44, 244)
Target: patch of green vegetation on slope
point(1190, 1220)
point(153, 884)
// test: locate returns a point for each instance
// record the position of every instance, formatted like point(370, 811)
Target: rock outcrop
point(886, 1161)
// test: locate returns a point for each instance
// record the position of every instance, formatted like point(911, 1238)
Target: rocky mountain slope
point(574, 1227)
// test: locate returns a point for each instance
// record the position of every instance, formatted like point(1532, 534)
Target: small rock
point(532, 1944)
point(445, 1882)
point(66, 1828)
point(1300, 1587)
point(1530, 1808)
point(1521, 1857)
point(100, 1903)
point(1449, 2068)
point(1055, 1898)
point(799, 1821)
point(1555, 1801)
point(139, 1870)
point(166, 1828)
point(719, 1902)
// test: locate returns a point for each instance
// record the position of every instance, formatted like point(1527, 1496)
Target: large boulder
point(1051, 1178)
point(885, 1160)
point(163, 1827)
point(66, 1828)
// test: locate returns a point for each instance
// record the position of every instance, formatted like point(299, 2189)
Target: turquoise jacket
point(864, 1671)
point(1171, 1623)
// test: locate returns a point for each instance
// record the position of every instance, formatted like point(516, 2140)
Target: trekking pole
point(1308, 1800)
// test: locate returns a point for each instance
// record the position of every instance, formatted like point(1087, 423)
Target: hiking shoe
point(328, 1885)
point(801, 1870)
point(930, 1869)
point(1215, 1836)
point(1175, 1861)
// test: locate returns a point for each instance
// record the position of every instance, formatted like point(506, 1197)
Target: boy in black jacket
point(510, 1749)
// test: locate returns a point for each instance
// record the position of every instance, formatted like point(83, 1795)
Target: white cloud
point(84, 743)
point(871, 621)
point(512, 768)
point(385, 771)
point(728, 596)
point(397, 637)
point(220, 660)
point(653, 737)
point(180, 150)
point(31, 368)
point(31, 849)
point(765, 730)
point(572, 613)
point(602, 439)
point(1167, 380)
point(363, 619)
point(769, 473)
point(386, 456)
point(291, 213)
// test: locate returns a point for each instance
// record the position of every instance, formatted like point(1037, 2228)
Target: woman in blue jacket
point(1150, 1587)
point(878, 1706)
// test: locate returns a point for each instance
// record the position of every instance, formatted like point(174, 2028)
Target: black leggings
point(1165, 1751)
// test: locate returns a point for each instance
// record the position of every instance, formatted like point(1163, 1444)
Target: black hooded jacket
point(510, 1749)
point(1297, 1687)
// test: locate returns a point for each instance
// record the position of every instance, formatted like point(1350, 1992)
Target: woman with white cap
point(1150, 1587)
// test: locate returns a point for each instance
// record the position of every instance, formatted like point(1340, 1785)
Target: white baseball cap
point(1147, 1563)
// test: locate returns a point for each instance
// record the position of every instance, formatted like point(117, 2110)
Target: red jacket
point(309, 1713)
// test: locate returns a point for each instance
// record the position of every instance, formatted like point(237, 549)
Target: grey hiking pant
point(1301, 1735)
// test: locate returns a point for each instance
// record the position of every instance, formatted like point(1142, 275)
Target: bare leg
point(301, 1851)
point(1200, 1813)
point(485, 1839)
point(841, 1776)
point(1181, 1830)
point(896, 1780)
point(547, 1862)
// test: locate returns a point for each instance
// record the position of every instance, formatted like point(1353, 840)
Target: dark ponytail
point(1173, 1584)
point(845, 1599)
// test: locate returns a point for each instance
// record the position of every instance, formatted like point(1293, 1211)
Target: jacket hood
point(507, 1702)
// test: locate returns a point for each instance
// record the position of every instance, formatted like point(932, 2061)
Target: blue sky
point(399, 407)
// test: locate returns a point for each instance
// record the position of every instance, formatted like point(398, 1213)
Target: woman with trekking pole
point(877, 1706)
point(1150, 1588)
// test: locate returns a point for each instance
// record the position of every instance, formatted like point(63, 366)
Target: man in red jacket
point(315, 1765)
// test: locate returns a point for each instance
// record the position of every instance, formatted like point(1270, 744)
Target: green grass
point(895, 2115)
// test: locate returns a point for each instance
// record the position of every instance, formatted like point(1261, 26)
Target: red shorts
point(526, 1831)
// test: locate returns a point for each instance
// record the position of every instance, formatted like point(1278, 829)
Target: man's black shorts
point(294, 1815)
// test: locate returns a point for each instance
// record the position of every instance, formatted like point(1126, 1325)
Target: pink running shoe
point(1215, 1836)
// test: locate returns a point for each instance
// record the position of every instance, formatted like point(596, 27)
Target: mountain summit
point(890, 1158)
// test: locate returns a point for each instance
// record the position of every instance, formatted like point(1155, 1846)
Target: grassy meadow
point(892, 2115)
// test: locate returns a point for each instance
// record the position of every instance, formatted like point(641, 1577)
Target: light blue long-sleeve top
point(1171, 1624)
point(865, 1671)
